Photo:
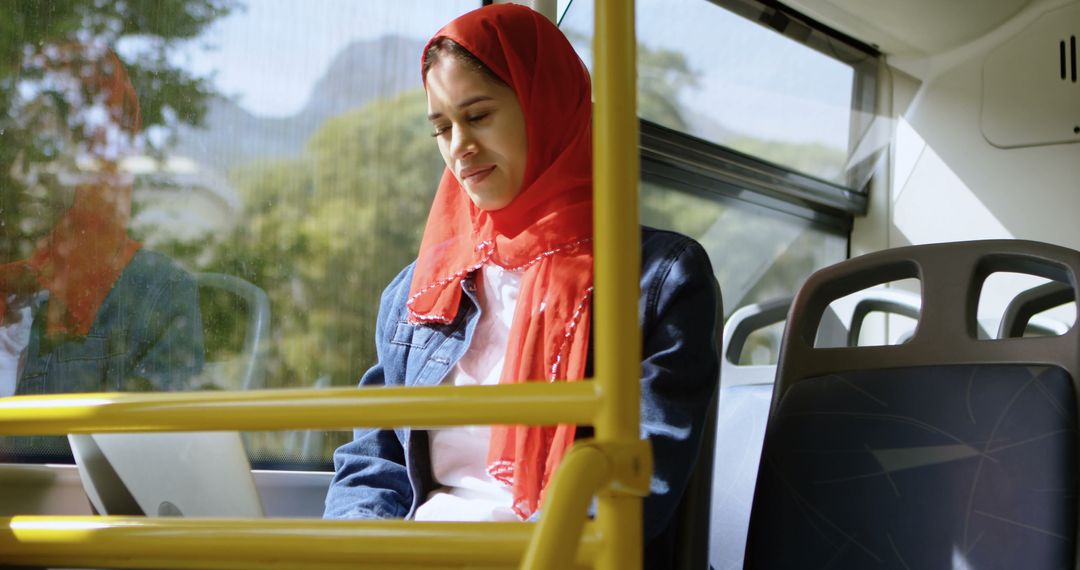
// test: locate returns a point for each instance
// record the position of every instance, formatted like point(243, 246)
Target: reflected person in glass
point(83, 308)
point(501, 293)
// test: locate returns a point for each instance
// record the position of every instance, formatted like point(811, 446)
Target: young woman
point(501, 291)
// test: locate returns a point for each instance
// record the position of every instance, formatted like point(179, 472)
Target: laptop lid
point(191, 474)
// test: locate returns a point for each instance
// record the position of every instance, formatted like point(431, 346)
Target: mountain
point(361, 72)
point(365, 71)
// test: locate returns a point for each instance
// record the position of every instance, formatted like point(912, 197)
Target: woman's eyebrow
point(463, 104)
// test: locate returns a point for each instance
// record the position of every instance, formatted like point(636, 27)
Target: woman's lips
point(474, 176)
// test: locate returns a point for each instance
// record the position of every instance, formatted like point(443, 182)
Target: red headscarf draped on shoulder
point(88, 248)
point(546, 231)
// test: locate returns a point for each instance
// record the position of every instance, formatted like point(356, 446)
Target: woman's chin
point(487, 200)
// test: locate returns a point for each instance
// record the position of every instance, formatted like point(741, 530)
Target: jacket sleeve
point(679, 372)
point(371, 480)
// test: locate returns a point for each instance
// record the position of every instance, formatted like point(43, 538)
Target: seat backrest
point(945, 452)
point(1021, 312)
point(888, 301)
point(880, 300)
point(745, 396)
point(246, 369)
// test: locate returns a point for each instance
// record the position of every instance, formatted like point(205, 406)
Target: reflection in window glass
point(713, 74)
point(233, 182)
point(758, 255)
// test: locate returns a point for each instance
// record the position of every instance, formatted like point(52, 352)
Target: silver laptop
point(190, 474)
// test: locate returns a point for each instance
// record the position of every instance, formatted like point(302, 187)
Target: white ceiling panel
point(911, 27)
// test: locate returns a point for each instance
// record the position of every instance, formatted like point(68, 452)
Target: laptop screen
point(192, 474)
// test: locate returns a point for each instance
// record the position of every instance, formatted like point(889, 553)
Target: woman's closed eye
point(476, 118)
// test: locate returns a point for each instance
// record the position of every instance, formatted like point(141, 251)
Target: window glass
point(207, 194)
point(758, 254)
point(213, 194)
point(721, 77)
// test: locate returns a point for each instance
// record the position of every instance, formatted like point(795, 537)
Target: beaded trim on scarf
point(567, 248)
point(570, 328)
point(433, 318)
point(502, 471)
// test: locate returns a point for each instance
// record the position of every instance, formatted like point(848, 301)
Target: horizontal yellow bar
point(136, 542)
point(167, 564)
point(537, 403)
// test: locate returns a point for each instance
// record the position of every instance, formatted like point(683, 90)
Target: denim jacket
point(386, 473)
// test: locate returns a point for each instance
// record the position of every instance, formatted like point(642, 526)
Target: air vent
point(1030, 84)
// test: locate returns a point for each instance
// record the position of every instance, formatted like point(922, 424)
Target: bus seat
point(945, 452)
point(743, 406)
point(245, 370)
point(745, 396)
point(1020, 314)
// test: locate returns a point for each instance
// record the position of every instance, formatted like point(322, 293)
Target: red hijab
point(546, 232)
point(82, 257)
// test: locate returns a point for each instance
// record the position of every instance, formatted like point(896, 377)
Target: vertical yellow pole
point(618, 267)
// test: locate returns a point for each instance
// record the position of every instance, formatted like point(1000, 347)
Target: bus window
point(758, 254)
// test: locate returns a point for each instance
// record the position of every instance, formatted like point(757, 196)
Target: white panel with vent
point(1031, 92)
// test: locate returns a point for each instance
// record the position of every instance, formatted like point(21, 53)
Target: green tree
point(325, 232)
point(322, 234)
point(663, 75)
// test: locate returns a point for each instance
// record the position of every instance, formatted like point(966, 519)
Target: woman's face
point(480, 130)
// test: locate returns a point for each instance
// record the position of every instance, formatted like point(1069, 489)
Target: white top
point(459, 454)
point(15, 338)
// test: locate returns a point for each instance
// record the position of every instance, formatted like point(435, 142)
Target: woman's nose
point(463, 144)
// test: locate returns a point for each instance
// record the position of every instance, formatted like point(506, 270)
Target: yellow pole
point(618, 267)
point(342, 408)
point(554, 544)
point(617, 232)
